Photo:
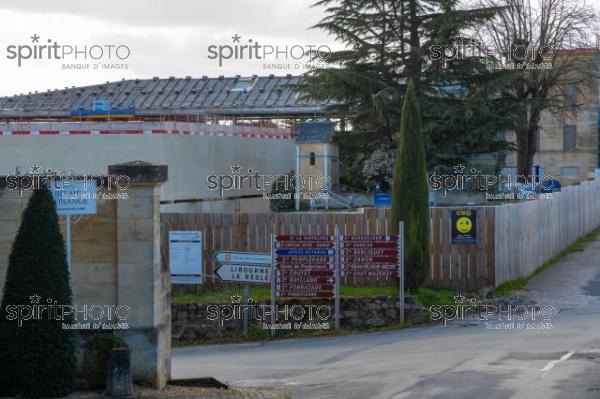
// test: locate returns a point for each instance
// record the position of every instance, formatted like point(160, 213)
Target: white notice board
point(185, 257)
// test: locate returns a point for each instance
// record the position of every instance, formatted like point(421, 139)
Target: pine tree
point(38, 357)
point(389, 42)
point(410, 201)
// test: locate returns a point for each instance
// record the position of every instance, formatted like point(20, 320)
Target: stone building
point(568, 138)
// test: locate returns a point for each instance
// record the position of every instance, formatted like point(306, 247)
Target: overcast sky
point(155, 38)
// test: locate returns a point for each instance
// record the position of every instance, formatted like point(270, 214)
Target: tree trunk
point(524, 155)
point(527, 142)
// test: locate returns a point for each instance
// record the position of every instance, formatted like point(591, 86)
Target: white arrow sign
point(243, 257)
point(244, 273)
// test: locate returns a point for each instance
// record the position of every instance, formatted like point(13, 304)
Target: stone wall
point(198, 321)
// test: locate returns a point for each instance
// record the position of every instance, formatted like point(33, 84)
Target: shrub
point(37, 359)
point(96, 356)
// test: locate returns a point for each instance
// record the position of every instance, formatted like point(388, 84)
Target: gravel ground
point(571, 283)
point(193, 393)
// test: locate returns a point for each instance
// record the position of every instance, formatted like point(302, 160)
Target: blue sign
point(315, 132)
point(101, 106)
point(74, 197)
point(243, 257)
point(304, 252)
point(383, 200)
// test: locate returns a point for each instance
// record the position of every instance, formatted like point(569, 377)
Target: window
point(313, 159)
point(243, 84)
point(570, 99)
point(569, 171)
point(569, 137)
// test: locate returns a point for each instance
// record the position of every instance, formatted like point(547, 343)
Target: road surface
point(461, 360)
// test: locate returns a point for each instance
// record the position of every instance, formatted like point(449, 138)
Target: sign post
point(378, 256)
point(73, 198)
point(401, 268)
point(246, 309)
point(245, 267)
point(68, 228)
point(337, 280)
point(273, 286)
point(304, 266)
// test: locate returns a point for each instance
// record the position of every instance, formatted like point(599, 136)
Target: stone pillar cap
point(140, 172)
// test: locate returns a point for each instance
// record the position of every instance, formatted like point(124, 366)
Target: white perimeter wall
point(191, 158)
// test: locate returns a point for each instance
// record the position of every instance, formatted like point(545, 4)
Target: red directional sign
point(369, 259)
point(304, 265)
point(304, 294)
point(370, 252)
point(305, 287)
point(305, 238)
point(371, 273)
point(369, 244)
point(370, 238)
point(369, 256)
point(305, 273)
point(306, 280)
point(369, 266)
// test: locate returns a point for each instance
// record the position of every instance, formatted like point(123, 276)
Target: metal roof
point(233, 96)
point(315, 132)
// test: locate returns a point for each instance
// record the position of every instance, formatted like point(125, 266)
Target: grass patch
point(435, 296)
point(427, 296)
point(513, 285)
point(264, 293)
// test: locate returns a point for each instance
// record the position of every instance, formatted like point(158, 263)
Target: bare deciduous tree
point(530, 35)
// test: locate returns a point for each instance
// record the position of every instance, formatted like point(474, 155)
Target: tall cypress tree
point(37, 358)
point(410, 201)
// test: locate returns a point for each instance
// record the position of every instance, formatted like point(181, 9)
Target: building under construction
point(198, 127)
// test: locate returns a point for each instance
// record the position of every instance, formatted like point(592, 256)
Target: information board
point(185, 257)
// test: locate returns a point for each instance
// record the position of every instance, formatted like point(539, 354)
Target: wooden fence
point(512, 240)
point(528, 234)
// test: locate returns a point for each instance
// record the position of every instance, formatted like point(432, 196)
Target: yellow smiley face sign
point(464, 222)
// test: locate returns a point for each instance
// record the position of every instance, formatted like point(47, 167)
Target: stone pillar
point(141, 282)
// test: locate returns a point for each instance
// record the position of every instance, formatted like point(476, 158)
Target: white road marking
point(553, 363)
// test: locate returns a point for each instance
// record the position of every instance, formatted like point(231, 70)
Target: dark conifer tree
point(410, 202)
point(38, 357)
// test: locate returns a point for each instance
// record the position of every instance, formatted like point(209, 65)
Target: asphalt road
point(462, 360)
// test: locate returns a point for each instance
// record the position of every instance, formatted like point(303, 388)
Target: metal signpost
point(379, 256)
point(244, 267)
point(304, 266)
point(312, 266)
point(73, 198)
point(401, 268)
